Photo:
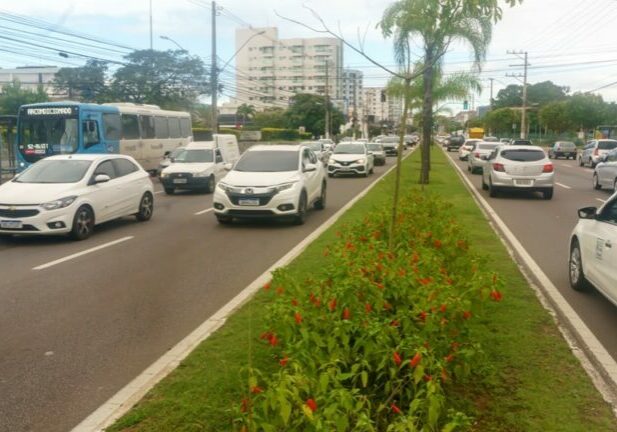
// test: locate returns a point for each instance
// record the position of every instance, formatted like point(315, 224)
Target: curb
point(120, 403)
point(597, 362)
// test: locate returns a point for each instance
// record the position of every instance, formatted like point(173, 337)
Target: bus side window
point(130, 126)
point(161, 127)
point(112, 126)
point(147, 126)
point(91, 133)
point(185, 127)
point(174, 127)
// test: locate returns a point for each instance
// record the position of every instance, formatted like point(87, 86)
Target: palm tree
point(437, 24)
point(245, 111)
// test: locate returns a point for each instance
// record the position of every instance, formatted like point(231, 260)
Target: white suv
point(352, 158)
point(272, 181)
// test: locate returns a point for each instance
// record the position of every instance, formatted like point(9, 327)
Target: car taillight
point(548, 168)
point(499, 167)
point(595, 152)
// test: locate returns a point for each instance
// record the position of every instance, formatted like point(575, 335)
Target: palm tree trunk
point(427, 117)
point(399, 159)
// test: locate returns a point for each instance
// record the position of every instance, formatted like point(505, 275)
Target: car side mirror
point(309, 168)
point(101, 178)
point(587, 213)
point(228, 166)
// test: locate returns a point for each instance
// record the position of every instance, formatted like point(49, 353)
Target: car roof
point(88, 157)
point(275, 147)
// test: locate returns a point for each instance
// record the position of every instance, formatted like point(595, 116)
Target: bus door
point(131, 144)
point(93, 140)
point(152, 147)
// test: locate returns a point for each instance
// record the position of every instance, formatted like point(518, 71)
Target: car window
point(609, 213)
point(107, 168)
point(607, 145)
point(612, 156)
point(486, 146)
point(312, 157)
point(268, 161)
point(218, 157)
point(124, 167)
point(306, 157)
point(523, 155)
point(147, 126)
point(54, 171)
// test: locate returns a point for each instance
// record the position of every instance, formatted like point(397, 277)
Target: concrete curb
point(597, 362)
point(127, 397)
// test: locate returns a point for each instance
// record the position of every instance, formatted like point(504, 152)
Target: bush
point(376, 344)
point(205, 134)
point(274, 134)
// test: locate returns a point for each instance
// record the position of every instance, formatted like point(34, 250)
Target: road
point(73, 333)
point(544, 228)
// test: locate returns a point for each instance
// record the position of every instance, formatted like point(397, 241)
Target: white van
point(200, 165)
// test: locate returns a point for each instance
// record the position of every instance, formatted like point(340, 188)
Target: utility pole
point(151, 44)
point(214, 75)
point(525, 65)
point(327, 91)
point(491, 100)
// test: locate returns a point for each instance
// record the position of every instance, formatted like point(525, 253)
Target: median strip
point(82, 253)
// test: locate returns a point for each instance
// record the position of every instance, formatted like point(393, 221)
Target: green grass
point(529, 382)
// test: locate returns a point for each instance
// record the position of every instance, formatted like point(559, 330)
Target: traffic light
point(465, 105)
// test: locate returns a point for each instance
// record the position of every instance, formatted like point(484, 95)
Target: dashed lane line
point(82, 253)
point(204, 211)
point(563, 185)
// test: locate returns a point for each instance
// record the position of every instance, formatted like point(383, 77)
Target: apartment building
point(30, 77)
point(379, 106)
point(269, 70)
point(352, 92)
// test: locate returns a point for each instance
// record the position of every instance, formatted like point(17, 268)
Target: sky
point(571, 42)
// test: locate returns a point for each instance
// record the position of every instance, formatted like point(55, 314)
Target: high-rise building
point(352, 93)
point(269, 70)
point(379, 106)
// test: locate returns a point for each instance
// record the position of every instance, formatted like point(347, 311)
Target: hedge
point(274, 134)
point(205, 134)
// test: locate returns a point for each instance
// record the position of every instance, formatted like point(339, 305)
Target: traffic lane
point(544, 227)
point(109, 315)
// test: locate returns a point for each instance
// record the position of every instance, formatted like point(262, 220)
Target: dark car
point(455, 142)
point(521, 142)
point(565, 149)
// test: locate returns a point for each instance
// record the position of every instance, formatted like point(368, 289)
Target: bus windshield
point(40, 136)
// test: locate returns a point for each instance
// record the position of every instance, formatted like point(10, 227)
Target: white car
point(351, 158)
point(197, 167)
point(272, 181)
point(477, 158)
point(605, 172)
point(593, 250)
point(466, 148)
point(320, 150)
point(70, 194)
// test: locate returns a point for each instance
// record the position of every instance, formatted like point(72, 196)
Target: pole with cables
point(214, 74)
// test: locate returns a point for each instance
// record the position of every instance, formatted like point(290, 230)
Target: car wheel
point(146, 208)
point(492, 190)
point(576, 273)
point(484, 185)
point(550, 156)
point(320, 204)
point(300, 217)
point(547, 194)
point(210, 187)
point(83, 223)
point(596, 182)
point(592, 164)
point(223, 220)
point(170, 190)
point(372, 169)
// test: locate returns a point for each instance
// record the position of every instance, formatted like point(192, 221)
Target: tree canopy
point(14, 96)
point(86, 83)
point(309, 111)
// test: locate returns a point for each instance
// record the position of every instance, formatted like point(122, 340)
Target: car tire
point(576, 273)
point(146, 208)
point(83, 223)
point(484, 185)
point(223, 220)
point(320, 204)
point(547, 194)
point(550, 156)
point(592, 164)
point(596, 182)
point(300, 217)
point(492, 190)
point(211, 184)
point(170, 190)
point(372, 169)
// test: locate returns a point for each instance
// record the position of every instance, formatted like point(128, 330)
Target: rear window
point(565, 145)
point(607, 145)
point(523, 155)
point(486, 146)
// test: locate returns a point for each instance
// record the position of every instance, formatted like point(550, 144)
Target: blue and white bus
point(144, 132)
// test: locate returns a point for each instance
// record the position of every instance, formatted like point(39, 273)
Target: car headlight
point(164, 174)
point(331, 161)
point(360, 161)
point(202, 174)
point(60, 203)
point(284, 186)
point(224, 187)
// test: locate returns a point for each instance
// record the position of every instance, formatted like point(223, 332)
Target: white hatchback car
point(69, 194)
point(272, 181)
point(593, 250)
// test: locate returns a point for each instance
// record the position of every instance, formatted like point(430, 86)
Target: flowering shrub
point(374, 344)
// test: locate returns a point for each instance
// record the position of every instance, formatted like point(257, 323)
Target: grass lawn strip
point(530, 380)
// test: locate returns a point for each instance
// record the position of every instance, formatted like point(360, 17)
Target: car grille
point(23, 228)
point(344, 163)
point(180, 175)
point(264, 198)
point(239, 213)
point(18, 213)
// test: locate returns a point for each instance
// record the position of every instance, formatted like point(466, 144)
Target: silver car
point(319, 149)
point(594, 150)
point(605, 173)
point(518, 168)
point(378, 152)
point(477, 157)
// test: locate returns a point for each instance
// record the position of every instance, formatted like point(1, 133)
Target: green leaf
point(364, 377)
point(285, 409)
point(323, 381)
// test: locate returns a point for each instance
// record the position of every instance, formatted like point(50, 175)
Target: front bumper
point(271, 205)
point(513, 182)
point(185, 181)
point(33, 220)
point(352, 168)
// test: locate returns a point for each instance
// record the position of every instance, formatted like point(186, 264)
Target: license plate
point(523, 182)
point(248, 201)
point(179, 181)
point(11, 224)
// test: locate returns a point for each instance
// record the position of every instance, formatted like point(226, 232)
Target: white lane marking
point(563, 185)
point(595, 359)
point(601, 200)
point(204, 211)
point(158, 192)
point(82, 253)
point(123, 400)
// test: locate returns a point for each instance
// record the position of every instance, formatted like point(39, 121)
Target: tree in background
point(87, 83)
point(511, 96)
point(500, 121)
point(202, 115)
point(270, 118)
point(13, 96)
point(585, 111)
point(309, 111)
point(554, 116)
point(246, 112)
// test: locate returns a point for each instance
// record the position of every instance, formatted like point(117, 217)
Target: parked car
point(455, 142)
point(517, 141)
point(378, 152)
point(518, 168)
point(351, 158)
point(594, 150)
point(490, 139)
point(319, 149)
point(167, 158)
point(605, 172)
point(466, 148)
point(565, 149)
point(272, 181)
point(593, 250)
point(70, 194)
point(390, 145)
point(477, 158)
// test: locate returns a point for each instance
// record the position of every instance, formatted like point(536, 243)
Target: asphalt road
point(74, 333)
point(544, 228)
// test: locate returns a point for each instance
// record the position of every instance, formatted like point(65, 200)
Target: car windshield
point(349, 149)
point(523, 155)
point(55, 171)
point(374, 147)
point(194, 156)
point(486, 146)
point(175, 152)
point(315, 146)
point(268, 161)
point(607, 145)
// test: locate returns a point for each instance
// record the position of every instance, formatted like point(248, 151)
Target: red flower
point(298, 318)
point(257, 390)
point(380, 267)
point(422, 316)
point(426, 281)
point(387, 306)
point(311, 404)
point(267, 286)
point(496, 295)
point(449, 358)
point(415, 258)
point(362, 238)
point(461, 244)
point(376, 235)
point(332, 305)
point(437, 244)
point(397, 358)
point(394, 323)
point(395, 409)
point(283, 361)
point(294, 302)
point(379, 285)
point(279, 290)
point(427, 378)
point(265, 336)
point(273, 341)
point(466, 314)
point(346, 314)
point(415, 361)
point(455, 345)
point(443, 308)
point(402, 272)
point(244, 406)
point(368, 308)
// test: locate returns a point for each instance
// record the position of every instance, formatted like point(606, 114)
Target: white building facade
point(30, 77)
point(352, 93)
point(379, 106)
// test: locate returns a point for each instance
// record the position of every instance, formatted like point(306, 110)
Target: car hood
point(347, 157)
point(259, 179)
point(196, 167)
point(14, 193)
